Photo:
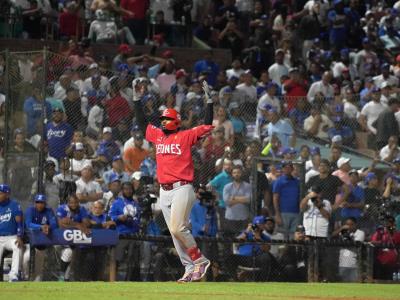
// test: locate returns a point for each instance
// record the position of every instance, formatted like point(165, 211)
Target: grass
point(209, 291)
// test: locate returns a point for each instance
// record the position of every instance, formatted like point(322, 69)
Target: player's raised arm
point(139, 90)
point(209, 115)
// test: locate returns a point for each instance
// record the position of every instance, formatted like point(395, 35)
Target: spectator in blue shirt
point(148, 167)
point(203, 219)
point(38, 217)
point(11, 229)
point(218, 182)
point(125, 212)
point(58, 134)
point(36, 111)
point(250, 254)
point(108, 145)
point(203, 215)
point(207, 66)
point(71, 215)
point(344, 131)
point(286, 199)
point(354, 205)
point(117, 169)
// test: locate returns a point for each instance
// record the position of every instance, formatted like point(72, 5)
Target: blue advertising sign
point(97, 237)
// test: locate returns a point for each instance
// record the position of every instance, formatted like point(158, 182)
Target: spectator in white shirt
point(386, 76)
point(79, 161)
point(316, 213)
point(88, 190)
point(321, 89)
point(369, 114)
point(278, 69)
point(391, 151)
point(348, 267)
point(236, 69)
point(317, 124)
point(248, 88)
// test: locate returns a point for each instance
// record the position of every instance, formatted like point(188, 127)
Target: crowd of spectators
point(320, 70)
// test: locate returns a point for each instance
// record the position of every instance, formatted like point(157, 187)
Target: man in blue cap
point(38, 217)
point(253, 255)
point(117, 169)
point(11, 229)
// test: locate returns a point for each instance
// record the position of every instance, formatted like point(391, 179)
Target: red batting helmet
point(171, 114)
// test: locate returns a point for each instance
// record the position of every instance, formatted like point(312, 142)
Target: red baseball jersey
point(173, 152)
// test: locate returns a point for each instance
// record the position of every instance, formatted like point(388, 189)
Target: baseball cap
point(107, 130)
point(136, 175)
point(93, 66)
point(40, 198)
point(72, 87)
point(271, 84)
point(114, 177)
point(259, 220)
point(353, 171)
point(233, 105)
point(138, 136)
point(78, 147)
point(300, 228)
point(180, 73)
point(135, 127)
point(5, 188)
point(285, 163)
point(295, 69)
point(344, 52)
point(337, 119)
point(124, 48)
point(315, 150)
point(375, 89)
point(233, 77)
point(366, 40)
point(117, 157)
point(337, 138)
point(57, 109)
point(280, 50)
point(341, 161)
point(385, 66)
point(227, 90)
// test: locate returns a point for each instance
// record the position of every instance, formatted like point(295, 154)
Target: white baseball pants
point(10, 243)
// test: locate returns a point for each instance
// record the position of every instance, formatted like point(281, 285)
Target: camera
point(346, 235)
point(147, 201)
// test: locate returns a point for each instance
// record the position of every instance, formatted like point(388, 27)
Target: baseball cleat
point(187, 277)
point(200, 269)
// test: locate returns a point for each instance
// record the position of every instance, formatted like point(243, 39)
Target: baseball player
point(175, 174)
point(11, 229)
point(38, 217)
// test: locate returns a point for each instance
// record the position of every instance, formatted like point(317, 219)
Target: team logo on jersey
point(76, 236)
point(55, 133)
point(6, 217)
point(130, 210)
point(168, 149)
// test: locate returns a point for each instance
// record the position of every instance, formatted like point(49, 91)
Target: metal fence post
point(370, 249)
point(113, 265)
point(7, 115)
point(40, 183)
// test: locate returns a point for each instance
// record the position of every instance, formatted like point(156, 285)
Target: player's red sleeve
point(199, 132)
point(151, 133)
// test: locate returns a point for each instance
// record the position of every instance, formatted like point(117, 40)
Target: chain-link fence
point(63, 114)
point(152, 258)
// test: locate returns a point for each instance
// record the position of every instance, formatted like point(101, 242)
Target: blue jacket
point(76, 216)
point(252, 249)
point(199, 218)
point(128, 207)
point(10, 209)
point(35, 219)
